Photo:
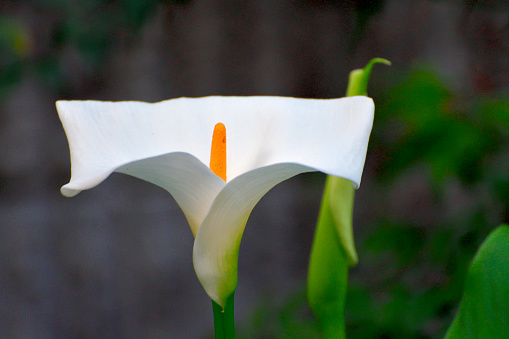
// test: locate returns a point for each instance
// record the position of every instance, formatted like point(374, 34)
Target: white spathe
point(269, 139)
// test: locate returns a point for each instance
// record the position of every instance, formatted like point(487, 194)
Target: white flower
point(269, 139)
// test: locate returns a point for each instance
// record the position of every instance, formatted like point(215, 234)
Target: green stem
point(224, 324)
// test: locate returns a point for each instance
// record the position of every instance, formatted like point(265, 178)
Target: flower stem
point(224, 324)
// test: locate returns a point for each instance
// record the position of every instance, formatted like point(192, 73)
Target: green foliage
point(274, 319)
point(452, 137)
point(484, 311)
point(15, 44)
point(406, 241)
point(337, 205)
point(411, 273)
point(328, 267)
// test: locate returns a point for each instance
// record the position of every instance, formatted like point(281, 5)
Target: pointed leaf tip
point(359, 78)
point(379, 61)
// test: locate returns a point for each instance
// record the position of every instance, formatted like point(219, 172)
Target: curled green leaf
point(333, 248)
point(359, 78)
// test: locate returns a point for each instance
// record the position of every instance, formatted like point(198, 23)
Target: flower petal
point(193, 186)
point(329, 133)
point(261, 131)
point(216, 247)
point(106, 135)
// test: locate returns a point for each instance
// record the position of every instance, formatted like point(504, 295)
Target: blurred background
point(116, 261)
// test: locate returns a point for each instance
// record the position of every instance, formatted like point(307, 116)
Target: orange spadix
point(218, 151)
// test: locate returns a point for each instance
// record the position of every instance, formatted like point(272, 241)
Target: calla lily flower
point(269, 139)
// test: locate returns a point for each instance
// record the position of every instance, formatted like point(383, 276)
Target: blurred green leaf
point(404, 241)
point(453, 141)
point(296, 322)
point(496, 112)
point(484, 310)
point(273, 318)
point(15, 39)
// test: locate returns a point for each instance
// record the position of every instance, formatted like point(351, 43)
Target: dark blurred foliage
point(87, 30)
point(363, 9)
point(461, 145)
point(438, 163)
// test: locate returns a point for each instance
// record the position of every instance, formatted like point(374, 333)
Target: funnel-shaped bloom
point(269, 139)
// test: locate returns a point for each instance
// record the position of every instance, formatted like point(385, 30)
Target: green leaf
point(333, 248)
point(484, 309)
point(358, 81)
point(328, 273)
point(341, 195)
